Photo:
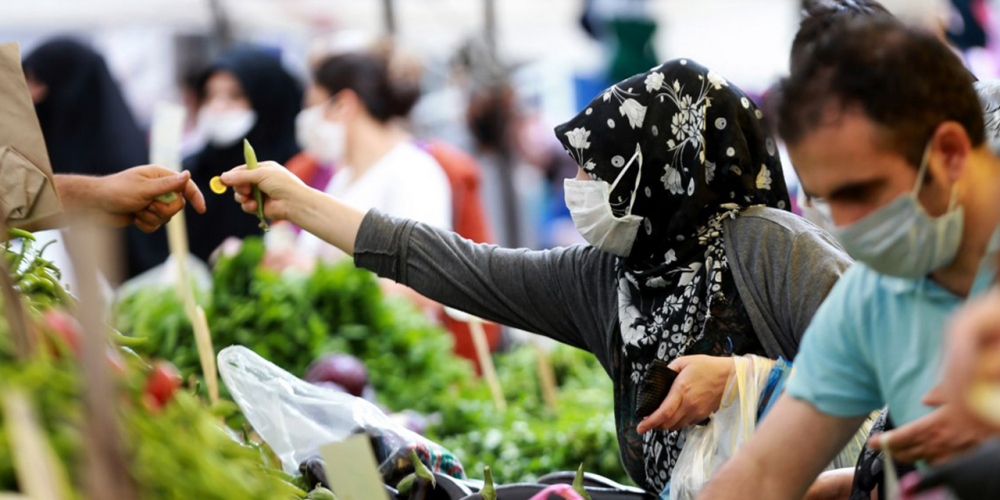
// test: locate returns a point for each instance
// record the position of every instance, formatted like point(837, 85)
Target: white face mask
point(226, 128)
point(325, 140)
point(901, 239)
point(590, 205)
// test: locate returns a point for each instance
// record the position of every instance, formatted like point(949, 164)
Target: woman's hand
point(695, 394)
point(281, 188)
point(288, 198)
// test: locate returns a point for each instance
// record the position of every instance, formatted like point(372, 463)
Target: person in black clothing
point(246, 93)
point(88, 127)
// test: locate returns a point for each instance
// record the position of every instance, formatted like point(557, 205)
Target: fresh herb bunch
point(292, 320)
point(207, 463)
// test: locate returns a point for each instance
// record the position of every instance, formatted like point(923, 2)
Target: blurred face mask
point(323, 139)
point(589, 204)
point(901, 239)
point(226, 128)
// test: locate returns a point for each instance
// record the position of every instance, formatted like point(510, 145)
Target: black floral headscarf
point(704, 156)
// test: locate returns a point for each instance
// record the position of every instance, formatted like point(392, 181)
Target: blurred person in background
point(515, 191)
point(245, 93)
point(313, 171)
point(358, 100)
point(88, 127)
point(355, 120)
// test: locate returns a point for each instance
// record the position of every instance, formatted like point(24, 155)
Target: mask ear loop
point(922, 173)
point(638, 177)
point(925, 160)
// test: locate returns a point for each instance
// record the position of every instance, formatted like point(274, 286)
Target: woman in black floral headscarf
point(703, 157)
point(693, 256)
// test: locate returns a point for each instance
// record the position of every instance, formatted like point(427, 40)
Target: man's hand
point(937, 437)
point(129, 197)
point(695, 394)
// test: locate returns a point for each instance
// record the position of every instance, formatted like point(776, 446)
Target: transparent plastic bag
point(752, 390)
point(296, 418)
point(707, 447)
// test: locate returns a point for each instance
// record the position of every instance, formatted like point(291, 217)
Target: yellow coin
point(216, 185)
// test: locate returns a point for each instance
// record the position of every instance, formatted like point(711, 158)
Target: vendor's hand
point(695, 394)
point(281, 188)
point(973, 354)
point(130, 196)
point(937, 437)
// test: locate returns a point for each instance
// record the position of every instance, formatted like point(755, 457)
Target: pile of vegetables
point(210, 462)
point(293, 320)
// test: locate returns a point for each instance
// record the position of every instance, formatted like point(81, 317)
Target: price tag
point(352, 471)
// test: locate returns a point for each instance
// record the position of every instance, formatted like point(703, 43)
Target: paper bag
point(27, 188)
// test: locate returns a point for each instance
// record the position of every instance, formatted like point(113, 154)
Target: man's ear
point(950, 149)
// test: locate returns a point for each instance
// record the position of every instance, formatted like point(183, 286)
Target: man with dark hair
point(885, 130)
point(819, 15)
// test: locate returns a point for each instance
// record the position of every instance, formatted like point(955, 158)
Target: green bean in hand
point(251, 158)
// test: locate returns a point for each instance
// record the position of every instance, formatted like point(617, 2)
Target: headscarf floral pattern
point(704, 140)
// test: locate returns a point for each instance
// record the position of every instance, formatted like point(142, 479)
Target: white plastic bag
point(707, 447)
point(296, 418)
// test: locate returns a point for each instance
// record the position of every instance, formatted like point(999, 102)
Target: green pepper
point(578, 484)
point(489, 491)
point(14, 233)
point(321, 493)
point(167, 198)
point(251, 159)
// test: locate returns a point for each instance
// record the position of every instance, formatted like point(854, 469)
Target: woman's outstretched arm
point(566, 294)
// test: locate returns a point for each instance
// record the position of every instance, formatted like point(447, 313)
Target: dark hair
point(819, 15)
point(388, 85)
point(902, 78)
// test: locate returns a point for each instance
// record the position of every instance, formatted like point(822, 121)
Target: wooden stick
point(167, 130)
point(105, 469)
point(486, 361)
point(203, 338)
point(546, 377)
point(40, 475)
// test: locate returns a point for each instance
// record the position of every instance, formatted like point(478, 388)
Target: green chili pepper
point(167, 198)
point(321, 493)
point(489, 491)
point(578, 484)
point(251, 159)
point(14, 232)
point(126, 341)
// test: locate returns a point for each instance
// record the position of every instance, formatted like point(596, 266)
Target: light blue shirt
point(879, 340)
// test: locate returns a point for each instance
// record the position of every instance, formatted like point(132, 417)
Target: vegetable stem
point(251, 158)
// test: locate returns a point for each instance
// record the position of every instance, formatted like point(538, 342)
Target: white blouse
point(406, 182)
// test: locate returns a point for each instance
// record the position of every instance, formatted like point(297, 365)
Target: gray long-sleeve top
point(783, 267)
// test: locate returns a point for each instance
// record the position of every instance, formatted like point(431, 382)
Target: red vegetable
point(343, 369)
point(163, 381)
point(62, 328)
